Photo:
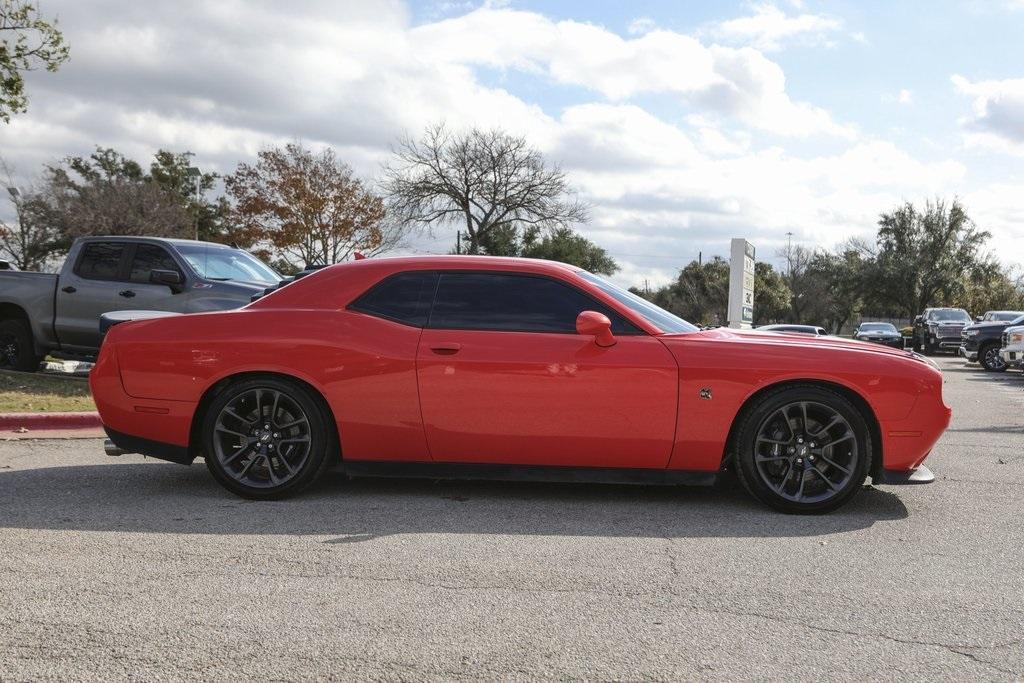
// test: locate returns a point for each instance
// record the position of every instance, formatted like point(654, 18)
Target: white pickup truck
point(59, 314)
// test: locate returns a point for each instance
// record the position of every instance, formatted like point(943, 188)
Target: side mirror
point(171, 278)
point(918, 319)
point(597, 325)
point(977, 318)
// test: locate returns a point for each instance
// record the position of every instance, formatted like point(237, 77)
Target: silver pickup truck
point(43, 313)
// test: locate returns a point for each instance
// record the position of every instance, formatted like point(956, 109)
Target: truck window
point(101, 261)
point(150, 257)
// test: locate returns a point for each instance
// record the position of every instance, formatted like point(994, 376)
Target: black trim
point(575, 475)
point(154, 449)
point(921, 475)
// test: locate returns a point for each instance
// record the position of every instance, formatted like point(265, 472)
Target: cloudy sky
point(683, 124)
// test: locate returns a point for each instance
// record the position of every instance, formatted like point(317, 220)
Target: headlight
point(971, 333)
point(1017, 337)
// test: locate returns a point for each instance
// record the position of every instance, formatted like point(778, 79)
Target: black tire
point(843, 464)
point(990, 359)
point(235, 444)
point(17, 351)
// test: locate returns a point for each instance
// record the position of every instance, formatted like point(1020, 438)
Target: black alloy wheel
point(16, 348)
point(265, 438)
point(803, 449)
point(990, 359)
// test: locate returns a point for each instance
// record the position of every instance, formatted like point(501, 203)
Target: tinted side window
point(404, 298)
point(101, 260)
point(521, 303)
point(149, 257)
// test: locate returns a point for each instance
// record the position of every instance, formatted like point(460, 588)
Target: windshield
point(659, 317)
point(1004, 316)
point(887, 327)
point(226, 263)
point(951, 314)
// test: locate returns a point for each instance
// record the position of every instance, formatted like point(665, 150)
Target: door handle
point(127, 293)
point(446, 348)
point(69, 289)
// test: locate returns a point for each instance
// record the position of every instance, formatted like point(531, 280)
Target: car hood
point(990, 325)
point(795, 339)
point(879, 333)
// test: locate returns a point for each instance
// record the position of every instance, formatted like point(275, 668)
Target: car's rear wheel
point(17, 352)
point(990, 359)
point(265, 438)
point(802, 449)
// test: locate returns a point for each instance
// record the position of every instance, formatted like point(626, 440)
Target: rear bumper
point(154, 449)
point(918, 475)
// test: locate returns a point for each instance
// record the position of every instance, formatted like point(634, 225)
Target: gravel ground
point(120, 568)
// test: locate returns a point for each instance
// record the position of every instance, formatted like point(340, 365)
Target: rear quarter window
point(404, 298)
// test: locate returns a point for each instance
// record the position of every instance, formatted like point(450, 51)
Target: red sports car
point(481, 367)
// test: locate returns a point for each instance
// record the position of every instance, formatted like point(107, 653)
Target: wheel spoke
point(228, 411)
point(270, 469)
point(827, 481)
point(234, 456)
point(800, 488)
point(839, 467)
point(771, 458)
point(293, 423)
point(259, 405)
point(295, 439)
point(785, 420)
point(248, 466)
point(785, 478)
point(765, 439)
point(824, 430)
point(222, 428)
point(273, 409)
point(803, 409)
point(845, 437)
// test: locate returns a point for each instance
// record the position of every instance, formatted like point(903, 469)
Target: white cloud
point(740, 83)
point(640, 26)
point(770, 28)
point(905, 97)
point(716, 160)
point(997, 111)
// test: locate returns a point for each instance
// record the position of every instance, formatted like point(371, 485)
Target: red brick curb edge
point(48, 421)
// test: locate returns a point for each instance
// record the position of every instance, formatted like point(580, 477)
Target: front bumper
point(971, 356)
point(1012, 357)
point(918, 475)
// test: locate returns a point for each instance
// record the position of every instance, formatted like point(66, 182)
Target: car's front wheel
point(265, 438)
point(990, 359)
point(802, 449)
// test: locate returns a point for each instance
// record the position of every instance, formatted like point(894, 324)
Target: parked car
point(981, 342)
point(44, 313)
point(1012, 346)
point(879, 333)
point(801, 329)
point(998, 316)
point(938, 329)
point(487, 367)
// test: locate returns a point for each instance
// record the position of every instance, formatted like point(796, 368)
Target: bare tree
point(310, 207)
point(484, 180)
point(33, 240)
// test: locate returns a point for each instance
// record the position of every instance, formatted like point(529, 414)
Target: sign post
point(741, 284)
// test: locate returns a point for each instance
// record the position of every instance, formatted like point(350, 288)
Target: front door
point(504, 378)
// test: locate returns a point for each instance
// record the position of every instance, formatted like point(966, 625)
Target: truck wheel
point(17, 351)
point(990, 358)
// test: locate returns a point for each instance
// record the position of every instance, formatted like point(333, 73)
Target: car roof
point(464, 262)
point(147, 238)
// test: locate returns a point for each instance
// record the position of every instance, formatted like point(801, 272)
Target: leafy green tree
point(926, 257)
point(561, 244)
point(771, 295)
point(211, 220)
point(27, 42)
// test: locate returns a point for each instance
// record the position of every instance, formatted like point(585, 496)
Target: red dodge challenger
point(482, 367)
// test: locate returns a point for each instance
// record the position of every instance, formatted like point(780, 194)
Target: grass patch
point(27, 392)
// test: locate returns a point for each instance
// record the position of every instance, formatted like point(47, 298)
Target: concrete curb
point(49, 421)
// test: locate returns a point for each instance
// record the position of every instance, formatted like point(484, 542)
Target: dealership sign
point(741, 284)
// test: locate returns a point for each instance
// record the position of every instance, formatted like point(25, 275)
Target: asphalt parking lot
point(124, 568)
